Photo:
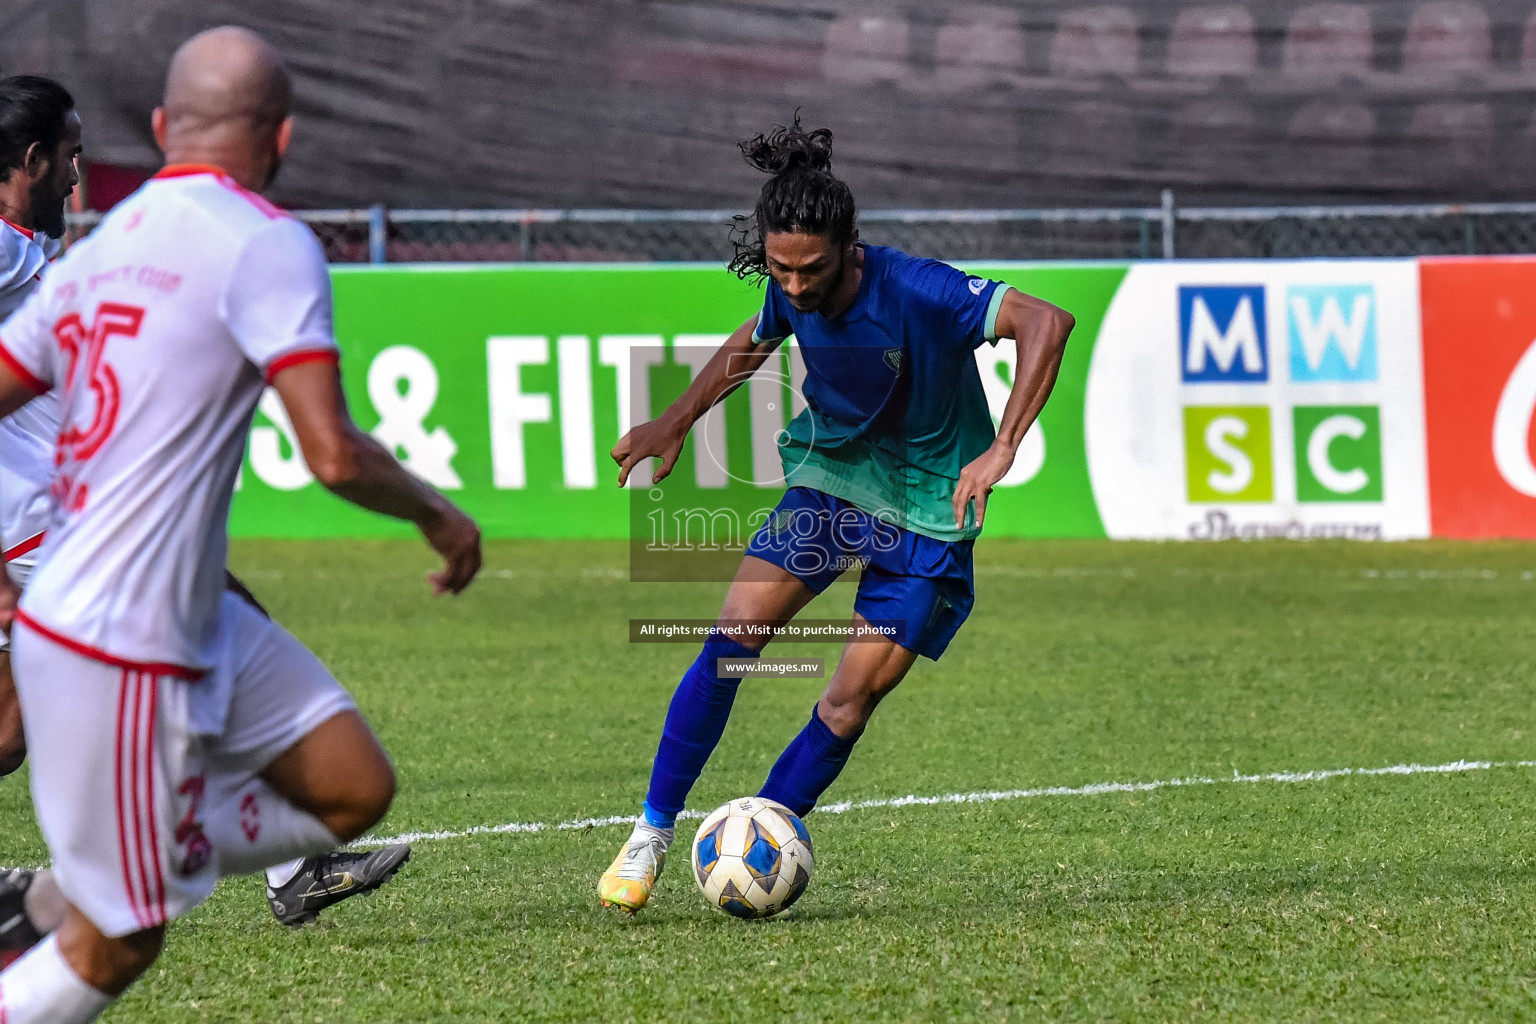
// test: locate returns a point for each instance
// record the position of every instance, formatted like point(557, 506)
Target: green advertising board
point(506, 386)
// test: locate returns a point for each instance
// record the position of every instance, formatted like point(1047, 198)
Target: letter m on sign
point(1223, 333)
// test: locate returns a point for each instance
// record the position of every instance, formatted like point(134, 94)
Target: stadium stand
point(1213, 138)
point(1448, 37)
point(1528, 46)
point(546, 105)
point(1329, 40)
point(1331, 141)
point(1209, 42)
point(978, 46)
point(1091, 138)
point(1460, 134)
point(1092, 41)
point(867, 49)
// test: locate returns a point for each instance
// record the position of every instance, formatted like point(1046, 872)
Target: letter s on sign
point(1512, 426)
point(1220, 434)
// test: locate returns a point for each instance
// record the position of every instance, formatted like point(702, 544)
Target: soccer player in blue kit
point(888, 467)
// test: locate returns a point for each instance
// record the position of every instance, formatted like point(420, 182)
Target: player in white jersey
point(160, 761)
point(40, 141)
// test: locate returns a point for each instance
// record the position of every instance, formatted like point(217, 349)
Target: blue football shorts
point(920, 587)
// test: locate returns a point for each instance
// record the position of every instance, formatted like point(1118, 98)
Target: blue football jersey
point(894, 403)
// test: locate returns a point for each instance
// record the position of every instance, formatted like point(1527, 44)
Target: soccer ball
point(752, 857)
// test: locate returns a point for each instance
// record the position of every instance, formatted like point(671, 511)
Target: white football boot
point(628, 882)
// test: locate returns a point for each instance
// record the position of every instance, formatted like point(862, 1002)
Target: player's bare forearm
point(377, 482)
point(356, 468)
point(368, 476)
point(1040, 330)
point(730, 367)
point(732, 364)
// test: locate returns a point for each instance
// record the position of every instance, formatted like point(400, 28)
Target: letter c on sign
point(1339, 481)
point(1512, 426)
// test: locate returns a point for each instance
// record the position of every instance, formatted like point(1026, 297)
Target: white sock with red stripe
point(41, 988)
point(258, 827)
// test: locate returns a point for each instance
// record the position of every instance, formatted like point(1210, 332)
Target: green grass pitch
point(1379, 898)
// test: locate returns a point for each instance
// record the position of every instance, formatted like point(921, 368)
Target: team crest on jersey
point(893, 359)
point(976, 285)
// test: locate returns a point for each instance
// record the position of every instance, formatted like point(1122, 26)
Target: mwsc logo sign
point(1222, 334)
point(1227, 452)
point(1331, 333)
point(1337, 453)
point(1265, 399)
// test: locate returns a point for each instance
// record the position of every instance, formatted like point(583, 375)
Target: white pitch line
point(982, 797)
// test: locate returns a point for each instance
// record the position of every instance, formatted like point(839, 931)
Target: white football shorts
point(127, 765)
point(26, 509)
point(25, 513)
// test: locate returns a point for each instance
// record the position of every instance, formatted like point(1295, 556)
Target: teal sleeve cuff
point(989, 325)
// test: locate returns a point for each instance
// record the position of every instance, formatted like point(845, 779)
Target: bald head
point(227, 100)
point(223, 77)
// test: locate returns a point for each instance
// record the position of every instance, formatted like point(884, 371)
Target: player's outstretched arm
point(738, 359)
point(14, 393)
point(1040, 330)
point(357, 468)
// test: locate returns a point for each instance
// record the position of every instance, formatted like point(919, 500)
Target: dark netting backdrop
point(637, 103)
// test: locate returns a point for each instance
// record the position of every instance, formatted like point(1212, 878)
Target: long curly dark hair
point(802, 194)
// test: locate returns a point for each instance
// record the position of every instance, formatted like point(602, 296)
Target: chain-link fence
point(378, 235)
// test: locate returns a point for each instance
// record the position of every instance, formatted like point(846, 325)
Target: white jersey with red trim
point(157, 331)
point(26, 438)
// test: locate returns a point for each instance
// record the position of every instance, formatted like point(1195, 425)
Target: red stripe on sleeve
point(307, 355)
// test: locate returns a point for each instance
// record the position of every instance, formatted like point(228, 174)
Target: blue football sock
point(695, 721)
point(808, 766)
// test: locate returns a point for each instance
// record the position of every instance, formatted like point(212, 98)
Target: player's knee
point(379, 792)
point(845, 715)
point(142, 949)
point(735, 623)
point(367, 800)
point(13, 753)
